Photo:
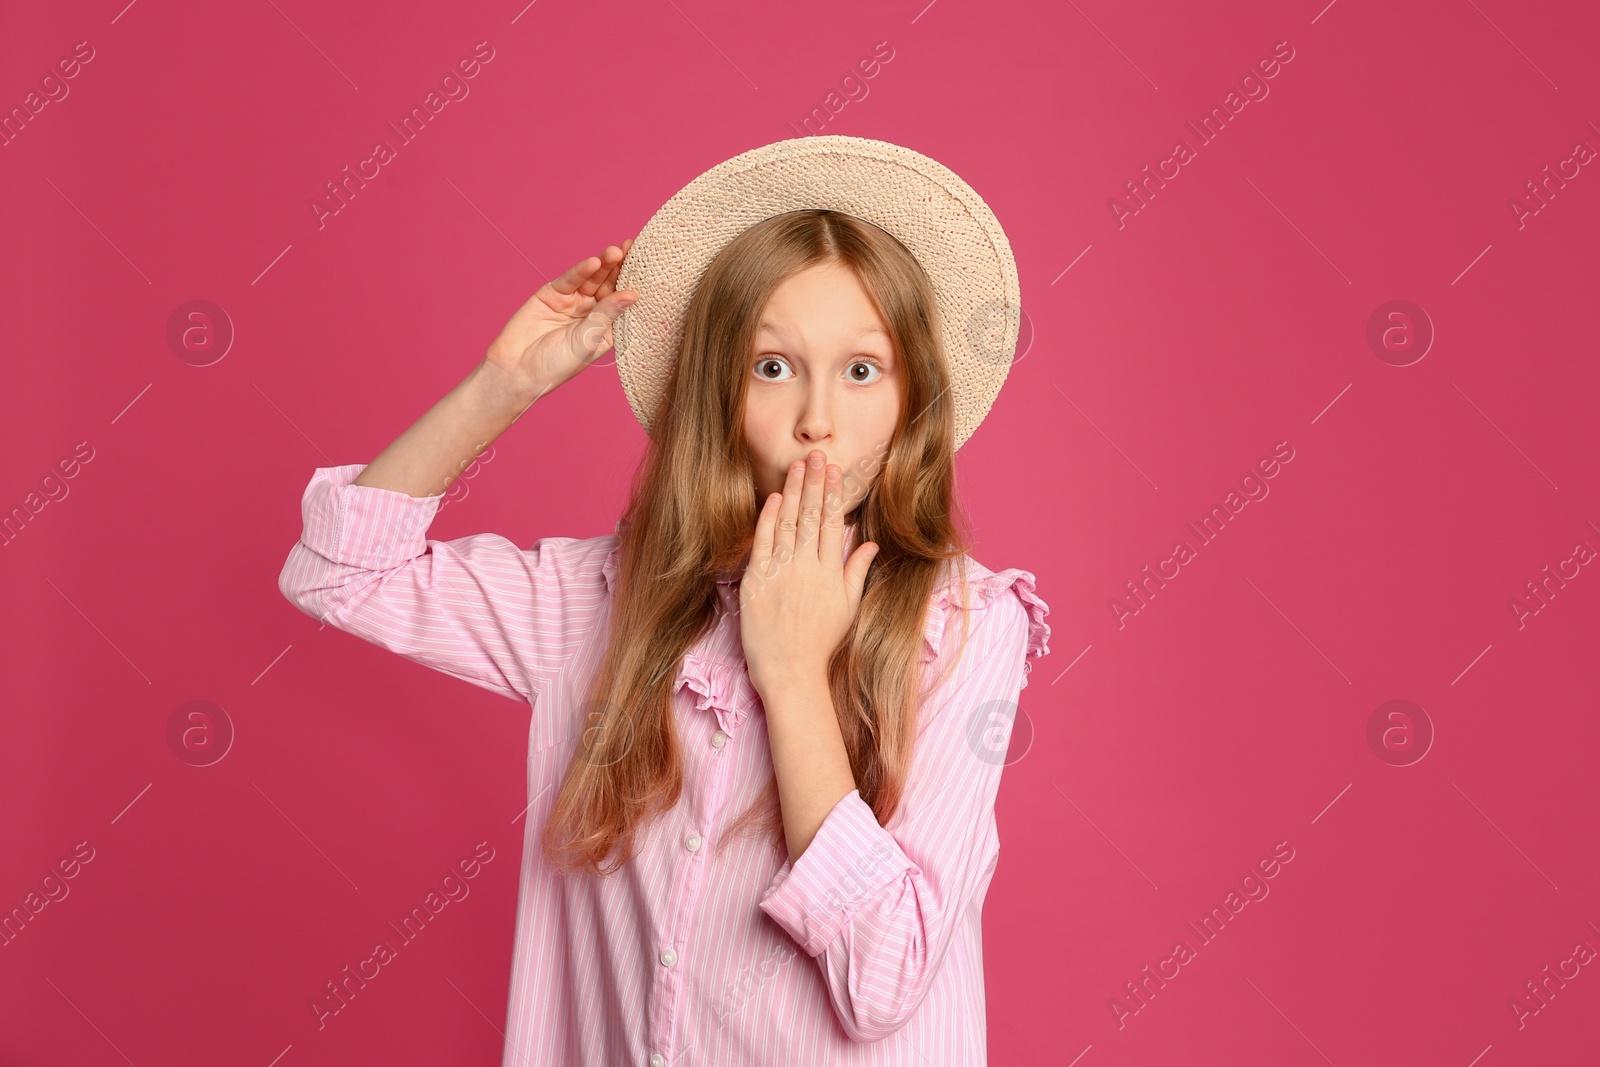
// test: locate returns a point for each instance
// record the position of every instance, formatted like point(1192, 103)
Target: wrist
point(505, 392)
point(794, 678)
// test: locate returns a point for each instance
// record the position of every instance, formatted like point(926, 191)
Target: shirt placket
point(705, 778)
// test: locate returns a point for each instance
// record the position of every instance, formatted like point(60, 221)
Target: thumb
point(855, 572)
point(594, 330)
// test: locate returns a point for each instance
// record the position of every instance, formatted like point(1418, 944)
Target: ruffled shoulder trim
point(608, 568)
point(983, 588)
point(613, 561)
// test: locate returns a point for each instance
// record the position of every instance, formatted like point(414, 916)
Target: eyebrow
point(772, 327)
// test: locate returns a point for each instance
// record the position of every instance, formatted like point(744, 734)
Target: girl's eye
point(770, 363)
point(873, 369)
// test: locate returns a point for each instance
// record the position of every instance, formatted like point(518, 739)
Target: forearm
point(428, 456)
point(809, 759)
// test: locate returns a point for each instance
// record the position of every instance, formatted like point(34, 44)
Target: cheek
point(759, 430)
point(879, 418)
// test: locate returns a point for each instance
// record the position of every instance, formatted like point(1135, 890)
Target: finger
point(568, 283)
point(608, 282)
point(783, 542)
point(807, 535)
point(609, 258)
point(766, 524)
point(622, 255)
point(830, 546)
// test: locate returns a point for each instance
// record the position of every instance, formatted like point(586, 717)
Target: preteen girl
point(770, 711)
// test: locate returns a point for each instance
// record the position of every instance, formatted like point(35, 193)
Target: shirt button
point(719, 739)
point(657, 1060)
point(669, 956)
point(692, 842)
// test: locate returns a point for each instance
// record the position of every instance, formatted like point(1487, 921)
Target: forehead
point(824, 301)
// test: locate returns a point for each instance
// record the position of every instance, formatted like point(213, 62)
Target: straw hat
point(945, 224)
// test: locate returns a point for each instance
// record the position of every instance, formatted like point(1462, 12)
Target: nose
point(815, 423)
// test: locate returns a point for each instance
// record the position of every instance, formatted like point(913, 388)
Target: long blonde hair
point(692, 516)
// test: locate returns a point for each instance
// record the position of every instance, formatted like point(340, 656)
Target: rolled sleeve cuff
point(362, 525)
point(849, 862)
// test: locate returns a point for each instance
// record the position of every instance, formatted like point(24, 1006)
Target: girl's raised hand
point(798, 597)
point(565, 324)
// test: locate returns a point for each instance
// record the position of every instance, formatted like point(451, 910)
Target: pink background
point(1168, 355)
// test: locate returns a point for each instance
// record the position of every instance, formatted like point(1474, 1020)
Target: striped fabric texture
point(704, 949)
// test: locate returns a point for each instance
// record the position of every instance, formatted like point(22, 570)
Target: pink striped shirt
point(692, 953)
